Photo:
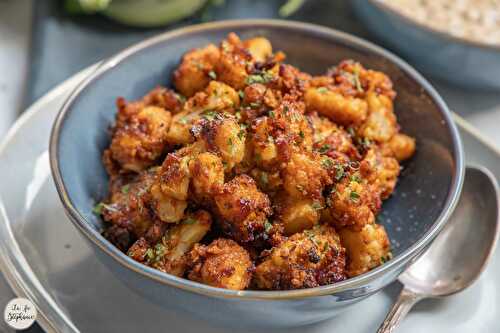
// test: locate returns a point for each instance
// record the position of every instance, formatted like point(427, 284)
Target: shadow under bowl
point(426, 194)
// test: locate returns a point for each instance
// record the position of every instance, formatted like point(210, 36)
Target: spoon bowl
point(459, 254)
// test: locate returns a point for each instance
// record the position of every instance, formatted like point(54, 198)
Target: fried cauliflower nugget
point(223, 264)
point(353, 202)
point(207, 172)
point(344, 110)
point(400, 146)
point(128, 208)
point(223, 135)
point(193, 74)
point(381, 124)
point(139, 140)
point(169, 254)
point(169, 190)
point(243, 209)
point(297, 215)
point(217, 97)
point(304, 176)
point(259, 47)
point(366, 248)
point(380, 171)
point(231, 68)
point(308, 259)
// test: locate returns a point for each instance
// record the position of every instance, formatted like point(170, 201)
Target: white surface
point(15, 28)
point(61, 260)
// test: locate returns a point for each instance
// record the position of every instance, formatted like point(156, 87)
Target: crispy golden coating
point(297, 214)
point(282, 160)
point(308, 259)
point(169, 253)
point(353, 201)
point(207, 172)
point(381, 124)
point(305, 176)
point(193, 74)
point(344, 110)
point(128, 208)
point(400, 146)
point(216, 97)
point(366, 248)
point(243, 209)
point(140, 138)
point(223, 263)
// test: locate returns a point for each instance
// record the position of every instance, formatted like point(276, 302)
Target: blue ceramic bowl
point(426, 193)
point(458, 61)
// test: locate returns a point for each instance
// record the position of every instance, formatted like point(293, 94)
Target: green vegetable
point(322, 90)
point(125, 189)
point(354, 196)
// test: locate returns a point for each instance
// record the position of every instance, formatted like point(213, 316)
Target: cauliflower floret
point(380, 171)
point(400, 146)
point(366, 248)
point(140, 140)
point(169, 254)
point(353, 202)
point(259, 47)
point(344, 110)
point(304, 176)
point(222, 264)
point(297, 215)
point(217, 97)
point(223, 136)
point(381, 124)
point(193, 74)
point(243, 209)
point(127, 206)
point(207, 174)
point(308, 259)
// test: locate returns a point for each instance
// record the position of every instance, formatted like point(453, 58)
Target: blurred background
point(454, 43)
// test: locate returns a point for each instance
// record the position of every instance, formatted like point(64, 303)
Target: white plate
point(44, 257)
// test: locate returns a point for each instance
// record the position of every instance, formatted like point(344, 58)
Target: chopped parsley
point(316, 206)
point(327, 163)
point(255, 105)
point(241, 93)
point(272, 114)
point(302, 135)
point(324, 148)
point(322, 90)
point(212, 75)
point(241, 134)
point(190, 220)
point(354, 196)
point(183, 120)
point(98, 209)
point(356, 178)
point(267, 226)
point(259, 78)
point(339, 172)
point(209, 115)
point(125, 189)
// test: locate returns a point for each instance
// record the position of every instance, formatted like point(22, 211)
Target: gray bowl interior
point(424, 185)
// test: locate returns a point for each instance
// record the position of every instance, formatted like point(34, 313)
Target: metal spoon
point(459, 254)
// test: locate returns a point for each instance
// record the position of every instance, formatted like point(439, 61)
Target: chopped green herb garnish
point(125, 189)
point(322, 90)
point(241, 93)
point(267, 226)
point(324, 148)
point(259, 78)
point(302, 135)
point(354, 196)
point(316, 206)
point(357, 82)
point(339, 172)
point(98, 208)
point(183, 120)
point(212, 75)
point(264, 179)
point(272, 114)
point(241, 134)
point(150, 254)
point(255, 105)
point(190, 220)
point(356, 178)
point(209, 115)
point(327, 163)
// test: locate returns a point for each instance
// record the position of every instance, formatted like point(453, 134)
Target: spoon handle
point(404, 303)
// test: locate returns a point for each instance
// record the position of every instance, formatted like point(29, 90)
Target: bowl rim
point(384, 7)
point(357, 282)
